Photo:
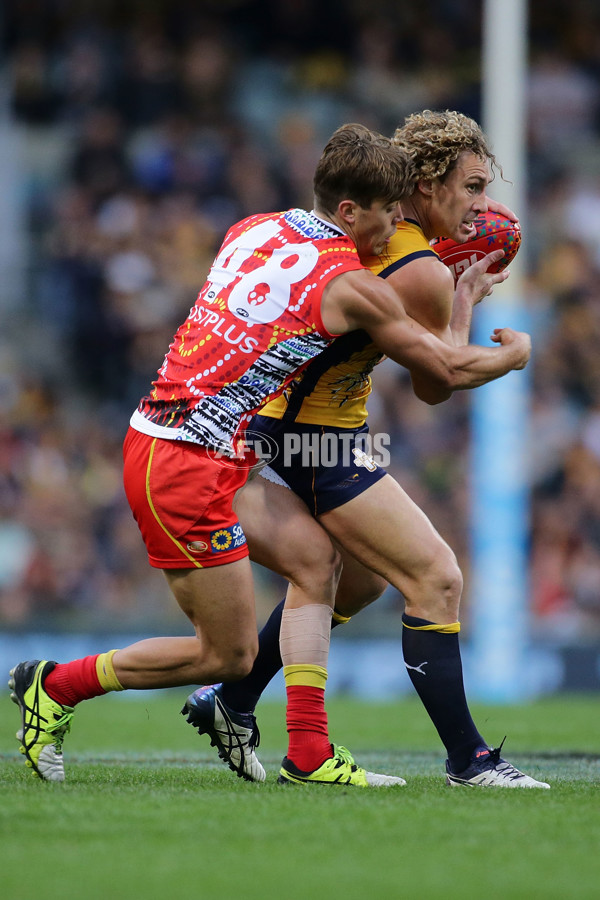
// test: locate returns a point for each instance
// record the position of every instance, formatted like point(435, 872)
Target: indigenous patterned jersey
point(256, 322)
point(333, 389)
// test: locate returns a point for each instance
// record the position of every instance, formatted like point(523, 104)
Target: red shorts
point(181, 497)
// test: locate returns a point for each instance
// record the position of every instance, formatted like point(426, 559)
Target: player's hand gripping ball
point(492, 232)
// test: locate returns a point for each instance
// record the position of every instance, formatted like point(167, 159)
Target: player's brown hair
point(434, 141)
point(360, 165)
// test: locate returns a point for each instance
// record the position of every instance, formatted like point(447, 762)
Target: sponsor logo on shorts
point(227, 538)
point(197, 547)
point(363, 459)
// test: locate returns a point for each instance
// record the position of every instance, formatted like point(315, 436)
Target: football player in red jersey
point(383, 536)
point(281, 288)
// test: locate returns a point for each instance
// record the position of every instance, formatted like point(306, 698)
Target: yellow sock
point(305, 675)
point(106, 672)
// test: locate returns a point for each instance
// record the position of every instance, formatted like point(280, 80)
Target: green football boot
point(44, 722)
point(339, 769)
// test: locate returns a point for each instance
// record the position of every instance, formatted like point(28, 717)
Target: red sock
point(68, 683)
point(309, 744)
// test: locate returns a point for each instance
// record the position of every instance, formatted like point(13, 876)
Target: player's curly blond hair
point(434, 141)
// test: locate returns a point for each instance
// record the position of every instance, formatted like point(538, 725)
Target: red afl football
point(492, 232)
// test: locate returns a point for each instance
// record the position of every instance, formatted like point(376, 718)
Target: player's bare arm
point(426, 290)
point(425, 287)
point(360, 300)
point(447, 367)
point(430, 298)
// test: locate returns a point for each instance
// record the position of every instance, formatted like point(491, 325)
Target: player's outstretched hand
point(478, 281)
point(519, 341)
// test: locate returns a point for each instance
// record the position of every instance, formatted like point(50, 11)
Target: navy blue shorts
point(324, 465)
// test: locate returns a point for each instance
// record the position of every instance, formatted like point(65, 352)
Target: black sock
point(434, 666)
point(244, 695)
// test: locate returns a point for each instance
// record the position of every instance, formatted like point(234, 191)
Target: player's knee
point(449, 582)
point(326, 558)
point(453, 580)
point(231, 662)
point(238, 667)
point(440, 587)
point(241, 660)
point(441, 569)
point(318, 564)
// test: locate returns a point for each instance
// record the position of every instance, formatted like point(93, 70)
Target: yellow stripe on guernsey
point(306, 675)
point(106, 672)
point(451, 628)
point(333, 390)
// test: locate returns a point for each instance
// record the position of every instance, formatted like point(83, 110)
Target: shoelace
point(246, 720)
point(60, 728)
point(508, 771)
point(63, 725)
point(494, 756)
point(343, 755)
point(254, 739)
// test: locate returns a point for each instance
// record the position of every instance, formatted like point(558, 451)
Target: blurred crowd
point(143, 130)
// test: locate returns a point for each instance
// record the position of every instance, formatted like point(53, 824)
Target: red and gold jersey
point(333, 389)
point(256, 323)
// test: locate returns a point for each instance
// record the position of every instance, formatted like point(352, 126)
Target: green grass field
point(148, 812)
